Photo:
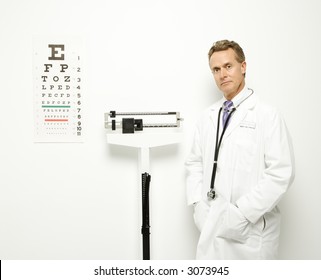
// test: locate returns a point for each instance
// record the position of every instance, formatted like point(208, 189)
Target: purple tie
point(227, 108)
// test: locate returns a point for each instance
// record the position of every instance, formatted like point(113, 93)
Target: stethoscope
point(218, 141)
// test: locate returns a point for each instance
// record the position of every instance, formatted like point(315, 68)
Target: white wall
point(82, 201)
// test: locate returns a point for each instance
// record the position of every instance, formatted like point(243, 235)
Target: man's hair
point(223, 45)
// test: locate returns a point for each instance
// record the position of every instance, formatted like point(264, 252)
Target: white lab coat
point(255, 169)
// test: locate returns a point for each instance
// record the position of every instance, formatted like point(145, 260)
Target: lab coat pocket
point(201, 210)
point(234, 226)
point(259, 227)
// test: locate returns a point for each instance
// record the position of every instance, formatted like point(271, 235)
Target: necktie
point(227, 108)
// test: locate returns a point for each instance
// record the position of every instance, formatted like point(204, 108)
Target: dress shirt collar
point(241, 96)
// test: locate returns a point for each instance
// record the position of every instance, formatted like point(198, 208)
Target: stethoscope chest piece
point(211, 194)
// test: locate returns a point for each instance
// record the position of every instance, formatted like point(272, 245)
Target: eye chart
point(58, 90)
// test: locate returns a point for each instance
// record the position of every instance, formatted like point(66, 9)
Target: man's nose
point(223, 73)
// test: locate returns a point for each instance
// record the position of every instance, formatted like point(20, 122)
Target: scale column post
point(145, 183)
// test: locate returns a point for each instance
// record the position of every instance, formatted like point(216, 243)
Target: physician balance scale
point(144, 130)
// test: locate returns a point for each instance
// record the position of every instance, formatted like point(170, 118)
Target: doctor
point(240, 166)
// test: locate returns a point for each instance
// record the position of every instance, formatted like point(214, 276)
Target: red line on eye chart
point(56, 120)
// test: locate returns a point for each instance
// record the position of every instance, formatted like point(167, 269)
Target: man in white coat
point(235, 195)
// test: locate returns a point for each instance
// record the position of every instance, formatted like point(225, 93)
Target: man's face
point(228, 72)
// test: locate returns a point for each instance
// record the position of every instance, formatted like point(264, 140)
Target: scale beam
point(128, 122)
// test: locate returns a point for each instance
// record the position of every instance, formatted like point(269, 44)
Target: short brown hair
point(223, 45)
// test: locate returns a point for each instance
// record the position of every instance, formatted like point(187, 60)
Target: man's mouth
point(224, 83)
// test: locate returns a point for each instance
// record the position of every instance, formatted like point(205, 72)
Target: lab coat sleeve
point(278, 171)
point(194, 170)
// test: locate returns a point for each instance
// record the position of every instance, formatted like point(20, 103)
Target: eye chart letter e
point(58, 90)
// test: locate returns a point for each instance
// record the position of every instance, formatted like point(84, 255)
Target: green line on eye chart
point(55, 106)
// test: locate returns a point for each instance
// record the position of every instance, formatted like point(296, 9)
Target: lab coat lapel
point(214, 111)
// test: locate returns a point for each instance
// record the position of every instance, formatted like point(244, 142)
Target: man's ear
point(243, 67)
